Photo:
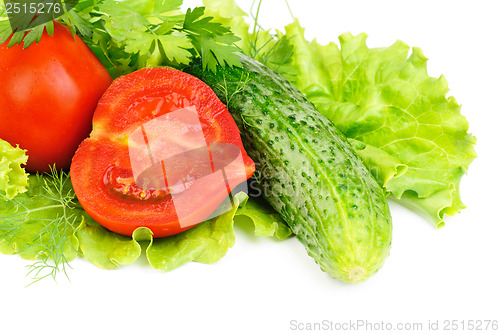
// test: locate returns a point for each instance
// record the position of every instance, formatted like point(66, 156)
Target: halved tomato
point(164, 153)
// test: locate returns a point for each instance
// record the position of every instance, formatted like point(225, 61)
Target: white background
point(262, 285)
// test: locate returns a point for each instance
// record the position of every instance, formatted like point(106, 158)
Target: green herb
point(129, 35)
point(212, 41)
point(224, 88)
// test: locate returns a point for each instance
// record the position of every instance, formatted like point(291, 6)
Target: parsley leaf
point(203, 26)
point(216, 51)
point(174, 47)
point(212, 41)
point(163, 6)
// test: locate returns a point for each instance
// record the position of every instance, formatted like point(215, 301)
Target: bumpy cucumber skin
point(309, 172)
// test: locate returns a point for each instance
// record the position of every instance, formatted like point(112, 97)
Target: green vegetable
point(307, 170)
point(46, 224)
point(13, 178)
point(103, 248)
point(266, 221)
point(129, 35)
point(409, 134)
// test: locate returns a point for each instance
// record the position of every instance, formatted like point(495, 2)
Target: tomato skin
point(131, 102)
point(49, 93)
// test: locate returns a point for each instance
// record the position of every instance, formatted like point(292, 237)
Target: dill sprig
point(224, 87)
point(271, 49)
point(43, 220)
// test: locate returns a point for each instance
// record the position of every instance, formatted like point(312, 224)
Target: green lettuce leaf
point(103, 248)
point(381, 164)
point(265, 220)
point(207, 242)
point(13, 178)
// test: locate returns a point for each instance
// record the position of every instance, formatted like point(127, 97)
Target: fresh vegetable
point(128, 35)
point(409, 134)
point(49, 93)
point(13, 178)
point(307, 170)
point(153, 131)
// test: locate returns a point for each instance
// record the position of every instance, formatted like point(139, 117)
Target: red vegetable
point(164, 153)
point(49, 93)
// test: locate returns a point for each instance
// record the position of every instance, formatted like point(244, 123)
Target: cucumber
point(307, 170)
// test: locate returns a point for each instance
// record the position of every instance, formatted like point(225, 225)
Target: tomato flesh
point(123, 184)
point(152, 157)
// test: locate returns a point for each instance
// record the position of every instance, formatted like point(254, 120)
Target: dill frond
point(42, 223)
point(230, 93)
point(275, 51)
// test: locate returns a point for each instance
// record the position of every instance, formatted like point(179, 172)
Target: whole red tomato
point(49, 92)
